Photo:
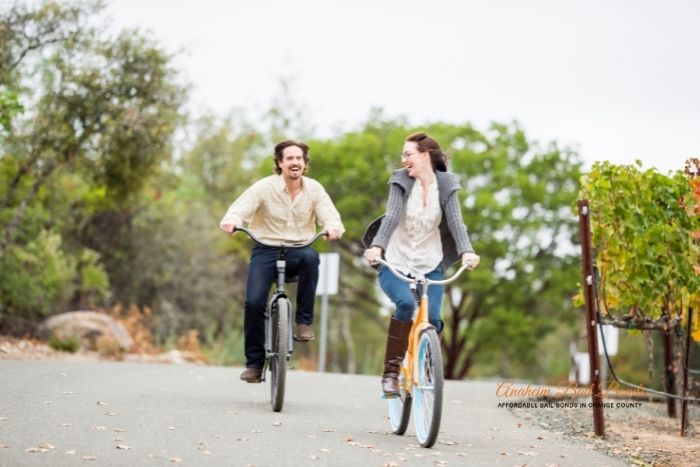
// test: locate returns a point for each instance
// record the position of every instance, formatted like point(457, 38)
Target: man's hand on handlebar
point(332, 233)
point(228, 228)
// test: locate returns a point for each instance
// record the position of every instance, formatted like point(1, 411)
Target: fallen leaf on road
point(68, 392)
point(527, 453)
point(324, 450)
point(99, 428)
point(176, 459)
point(71, 452)
point(328, 430)
point(418, 455)
point(391, 464)
point(110, 414)
point(118, 439)
point(44, 447)
point(461, 454)
point(534, 446)
point(4, 446)
point(120, 430)
point(65, 424)
point(348, 439)
point(123, 446)
point(448, 443)
point(62, 374)
point(276, 423)
point(172, 428)
point(313, 456)
point(48, 402)
point(101, 403)
point(89, 458)
point(436, 453)
point(505, 453)
point(551, 465)
point(2, 419)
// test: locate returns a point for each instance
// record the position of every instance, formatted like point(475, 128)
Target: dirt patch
point(637, 431)
point(32, 349)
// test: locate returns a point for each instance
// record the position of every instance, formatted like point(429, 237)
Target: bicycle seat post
point(281, 267)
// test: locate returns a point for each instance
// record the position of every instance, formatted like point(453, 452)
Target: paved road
point(128, 414)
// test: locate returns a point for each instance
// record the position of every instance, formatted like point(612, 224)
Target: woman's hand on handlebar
point(372, 253)
point(471, 260)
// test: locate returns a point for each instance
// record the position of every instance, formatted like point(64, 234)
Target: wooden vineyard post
point(591, 322)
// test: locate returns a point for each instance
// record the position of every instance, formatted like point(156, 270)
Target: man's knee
point(308, 257)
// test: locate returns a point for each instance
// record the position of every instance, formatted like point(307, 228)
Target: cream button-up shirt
point(270, 212)
point(415, 245)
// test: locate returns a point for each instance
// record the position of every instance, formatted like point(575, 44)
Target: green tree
point(96, 128)
point(516, 202)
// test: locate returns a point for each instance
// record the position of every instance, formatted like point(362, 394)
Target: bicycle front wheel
point(278, 357)
point(427, 394)
point(400, 408)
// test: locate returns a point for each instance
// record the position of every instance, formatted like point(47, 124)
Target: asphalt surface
point(56, 413)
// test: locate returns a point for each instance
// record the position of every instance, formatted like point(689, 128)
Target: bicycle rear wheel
point(400, 408)
point(278, 357)
point(427, 394)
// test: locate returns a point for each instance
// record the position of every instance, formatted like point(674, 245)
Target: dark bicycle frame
point(279, 293)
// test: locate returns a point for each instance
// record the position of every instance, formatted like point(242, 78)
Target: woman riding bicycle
point(422, 232)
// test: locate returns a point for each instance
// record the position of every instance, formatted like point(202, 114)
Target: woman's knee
point(405, 309)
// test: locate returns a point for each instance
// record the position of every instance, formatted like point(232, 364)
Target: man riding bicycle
point(281, 208)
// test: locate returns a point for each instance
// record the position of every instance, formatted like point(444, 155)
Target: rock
point(89, 327)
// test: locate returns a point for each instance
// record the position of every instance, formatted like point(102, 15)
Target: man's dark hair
point(281, 146)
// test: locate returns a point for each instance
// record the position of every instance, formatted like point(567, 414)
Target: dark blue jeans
point(262, 273)
point(399, 292)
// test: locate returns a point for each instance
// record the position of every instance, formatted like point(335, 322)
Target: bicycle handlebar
point(429, 281)
point(279, 245)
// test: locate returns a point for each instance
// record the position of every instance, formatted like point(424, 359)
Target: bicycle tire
point(427, 394)
point(278, 359)
point(400, 408)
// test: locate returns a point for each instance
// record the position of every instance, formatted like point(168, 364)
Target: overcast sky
point(617, 80)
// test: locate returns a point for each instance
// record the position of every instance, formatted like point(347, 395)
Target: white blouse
point(415, 245)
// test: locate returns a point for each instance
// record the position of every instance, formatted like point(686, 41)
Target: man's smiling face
point(292, 164)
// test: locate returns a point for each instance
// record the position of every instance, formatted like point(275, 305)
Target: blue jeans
point(399, 292)
point(262, 273)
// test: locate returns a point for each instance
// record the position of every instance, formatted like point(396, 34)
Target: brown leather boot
point(396, 343)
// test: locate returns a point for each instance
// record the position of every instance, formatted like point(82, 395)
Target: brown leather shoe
point(252, 375)
point(304, 333)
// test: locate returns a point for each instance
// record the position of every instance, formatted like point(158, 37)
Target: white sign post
point(328, 275)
